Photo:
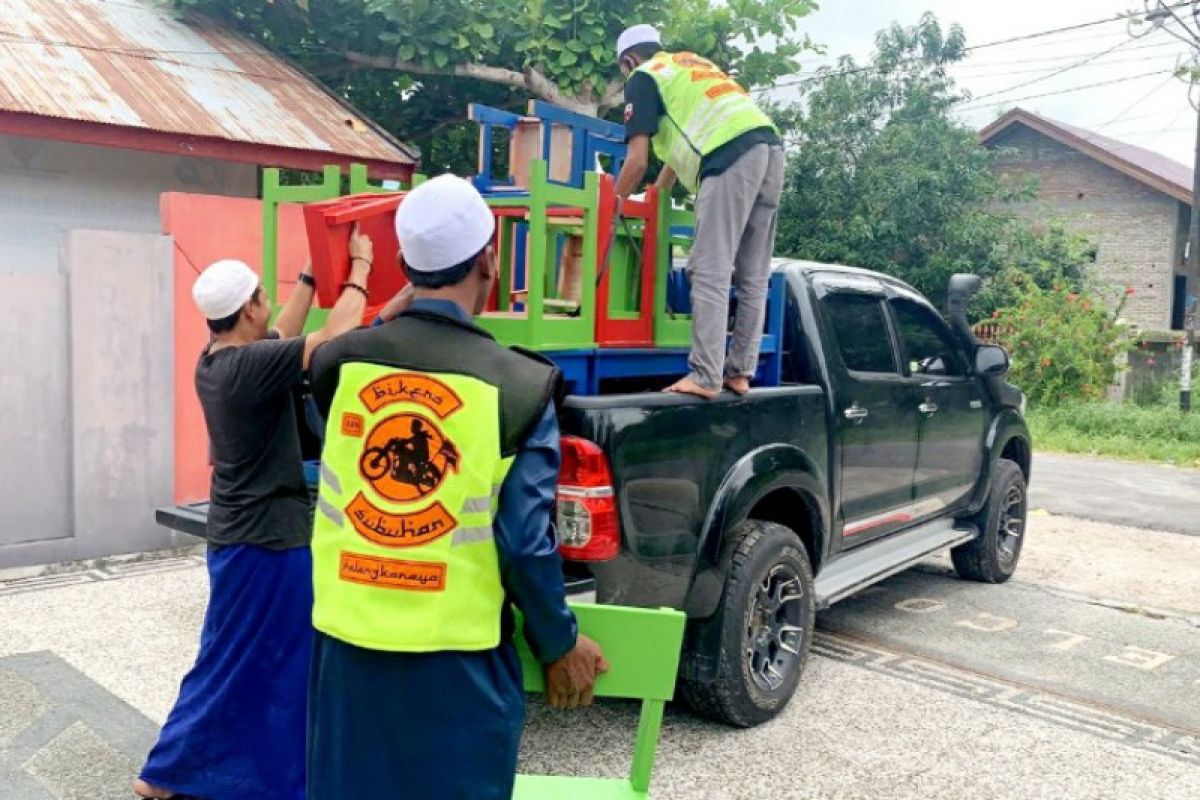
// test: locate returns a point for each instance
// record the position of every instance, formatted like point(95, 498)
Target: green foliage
point(1046, 254)
point(884, 178)
point(1064, 345)
point(402, 61)
point(1119, 431)
point(569, 42)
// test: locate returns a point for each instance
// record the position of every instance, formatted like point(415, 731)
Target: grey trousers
point(734, 242)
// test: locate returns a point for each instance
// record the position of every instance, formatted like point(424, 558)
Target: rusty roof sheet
point(133, 64)
point(1146, 166)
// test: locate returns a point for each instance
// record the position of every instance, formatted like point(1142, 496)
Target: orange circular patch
point(406, 457)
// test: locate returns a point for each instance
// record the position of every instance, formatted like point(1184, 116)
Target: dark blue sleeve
point(528, 544)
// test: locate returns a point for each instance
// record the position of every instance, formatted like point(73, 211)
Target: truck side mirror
point(991, 359)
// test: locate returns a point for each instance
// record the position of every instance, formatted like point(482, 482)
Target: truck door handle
point(928, 408)
point(856, 413)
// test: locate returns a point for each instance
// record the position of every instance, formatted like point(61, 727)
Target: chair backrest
point(642, 647)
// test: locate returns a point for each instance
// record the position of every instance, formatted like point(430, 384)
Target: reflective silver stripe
point(472, 535)
point(329, 479)
point(329, 511)
point(478, 505)
point(585, 491)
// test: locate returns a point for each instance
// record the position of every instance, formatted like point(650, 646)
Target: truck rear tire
point(765, 621)
point(992, 556)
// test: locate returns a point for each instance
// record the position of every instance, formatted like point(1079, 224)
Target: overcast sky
point(1151, 111)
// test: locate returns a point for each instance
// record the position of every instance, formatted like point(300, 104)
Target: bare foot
point(738, 385)
point(143, 789)
point(689, 386)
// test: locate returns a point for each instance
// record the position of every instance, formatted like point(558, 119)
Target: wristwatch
point(308, 280)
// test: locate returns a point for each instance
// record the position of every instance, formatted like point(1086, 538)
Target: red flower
point(1129, 291)
point(1071, 298)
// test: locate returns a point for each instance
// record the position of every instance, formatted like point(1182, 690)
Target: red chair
point(329, 223)
point(625, 294)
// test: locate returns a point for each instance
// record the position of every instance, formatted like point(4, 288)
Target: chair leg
point(649, 725)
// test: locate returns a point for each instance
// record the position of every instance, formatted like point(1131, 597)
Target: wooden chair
point(642, 647)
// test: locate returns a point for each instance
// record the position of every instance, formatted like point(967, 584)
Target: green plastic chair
point(642, 646)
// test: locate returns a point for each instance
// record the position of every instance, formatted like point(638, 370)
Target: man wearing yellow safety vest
point(437, 481)
point(716, 141)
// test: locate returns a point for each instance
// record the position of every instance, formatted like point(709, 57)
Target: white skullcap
point(635, 35)
point(441, 223)
point(223, 288)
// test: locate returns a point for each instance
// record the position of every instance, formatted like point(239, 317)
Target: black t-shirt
point(644, 111)
point(258, 495)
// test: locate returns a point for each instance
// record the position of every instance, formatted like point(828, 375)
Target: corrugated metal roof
point(1146, 166)
point(129, 63)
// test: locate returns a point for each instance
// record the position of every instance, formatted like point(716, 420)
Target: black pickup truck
point(893, 437)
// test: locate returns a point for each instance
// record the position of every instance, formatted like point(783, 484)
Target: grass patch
point(1160, 434)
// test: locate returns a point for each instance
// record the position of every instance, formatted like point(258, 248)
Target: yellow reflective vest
point(705, 109)
point(404, 557)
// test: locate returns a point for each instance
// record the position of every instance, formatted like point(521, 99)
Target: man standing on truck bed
point(712, 137)
point(237, 729)
point(438, 477)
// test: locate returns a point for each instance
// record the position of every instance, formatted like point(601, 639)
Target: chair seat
point(557, 787)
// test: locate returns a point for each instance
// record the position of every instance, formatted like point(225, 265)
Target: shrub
point(1064, 345)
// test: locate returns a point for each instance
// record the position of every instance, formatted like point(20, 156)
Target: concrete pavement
point(1150, 496)
point(897, 702)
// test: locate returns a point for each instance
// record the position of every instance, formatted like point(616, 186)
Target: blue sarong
point(413, 726)
point(237, 729)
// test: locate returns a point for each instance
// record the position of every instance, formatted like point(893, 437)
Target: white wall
point(48, 188)
point(86, 428)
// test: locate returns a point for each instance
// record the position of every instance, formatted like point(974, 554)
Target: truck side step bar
point(857, 569)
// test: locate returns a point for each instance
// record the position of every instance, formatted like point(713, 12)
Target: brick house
point(1132, 203)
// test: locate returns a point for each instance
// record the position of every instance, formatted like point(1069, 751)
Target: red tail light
point(587, 510)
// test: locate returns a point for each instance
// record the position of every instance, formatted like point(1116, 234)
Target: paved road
point(925, 687)
point(1117, 659)
point(1123, 493)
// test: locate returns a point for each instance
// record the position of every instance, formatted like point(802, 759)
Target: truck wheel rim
point(1011, 526)
point(774, 633)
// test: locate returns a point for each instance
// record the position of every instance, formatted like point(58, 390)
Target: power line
point(1168, 126)
point(1066, 91)
point(980, 76)
point(1121, 114)
point(1065, 57)
point(1055, 72)
point(1011, 40)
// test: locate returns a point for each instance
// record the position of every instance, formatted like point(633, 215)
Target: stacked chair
point(594, 292)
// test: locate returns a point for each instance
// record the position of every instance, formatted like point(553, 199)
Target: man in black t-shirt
point(238, 726)
point(715, 140)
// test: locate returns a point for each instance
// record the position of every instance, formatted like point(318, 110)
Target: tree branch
point(531, 80)
point(614, 92)
point(506, 77)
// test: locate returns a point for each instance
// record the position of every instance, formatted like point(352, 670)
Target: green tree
point(883, 177)
point(557, 50)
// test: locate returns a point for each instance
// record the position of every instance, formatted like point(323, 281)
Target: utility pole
point(1159, 14)
point(1193, 270)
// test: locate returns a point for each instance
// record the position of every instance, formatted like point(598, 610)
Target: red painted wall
point(207, 228)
